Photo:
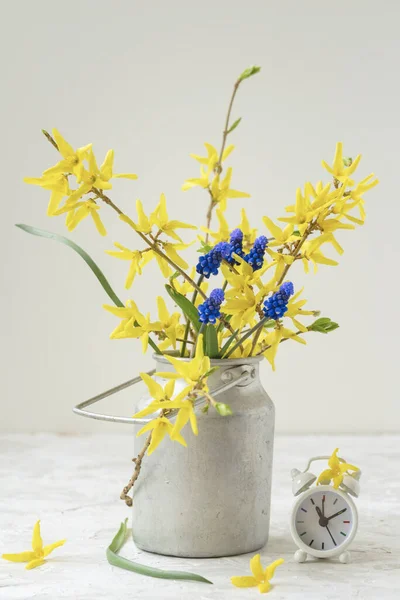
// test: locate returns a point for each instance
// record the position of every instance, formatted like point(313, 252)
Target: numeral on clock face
point(324, 520)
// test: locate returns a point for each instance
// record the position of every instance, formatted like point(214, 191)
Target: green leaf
point(323, 325)
point(322, 321)
point(211, 342)
point(204, 248)
point(249, 72)
point(223, 409)
point(123, 563)
point(222, 324)
point(332, 326)
point(209, 372)
point(174, 275)
point(186, 306)
point(89, 261)
point(347, 161)
point(235, 124)
point(229, 342)
point(269, 324)
point(297, 233)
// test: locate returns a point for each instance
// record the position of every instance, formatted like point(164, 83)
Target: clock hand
point(337, 514)
point(331, 535)
point(323, 521)
point(323, 506)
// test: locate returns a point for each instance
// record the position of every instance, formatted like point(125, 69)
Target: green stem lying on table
point(123, 563)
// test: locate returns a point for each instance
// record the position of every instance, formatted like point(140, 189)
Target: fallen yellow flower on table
point(260, 577)
point(336, 471)
point(37, 556)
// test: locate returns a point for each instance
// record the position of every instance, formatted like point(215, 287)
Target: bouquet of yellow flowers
point(252, 310)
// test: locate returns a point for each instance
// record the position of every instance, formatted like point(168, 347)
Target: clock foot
point(300, 556)
point(344, 557)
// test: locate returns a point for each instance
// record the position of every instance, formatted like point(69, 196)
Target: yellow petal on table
point(37, 542)
point(50, 547)
point(326, 475)
point(264, 587)
point(270, 570)
point(337, 480)
point(35, 563)
point(19, 556)
point(244, 582)
point(256, 568)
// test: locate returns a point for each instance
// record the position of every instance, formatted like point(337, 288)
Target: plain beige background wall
point(152, 80)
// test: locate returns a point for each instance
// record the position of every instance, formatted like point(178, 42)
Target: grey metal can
point(213, 497)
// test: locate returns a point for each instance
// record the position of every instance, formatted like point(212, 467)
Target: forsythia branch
point(138, 464)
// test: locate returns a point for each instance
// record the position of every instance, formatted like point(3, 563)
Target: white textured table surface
point(72, 484)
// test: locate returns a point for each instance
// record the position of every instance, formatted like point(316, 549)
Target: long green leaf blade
point(88, 260)
point(123, 563)
point(211, 342)
point(187, 307)
point(229, 342)
point(98, 273)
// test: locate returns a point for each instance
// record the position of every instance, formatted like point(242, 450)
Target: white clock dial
point(324, 520)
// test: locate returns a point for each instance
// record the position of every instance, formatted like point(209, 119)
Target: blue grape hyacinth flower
point(276, 305)
point(209, 311)
point(236, 243)
point(211, 262)
point(255, 257)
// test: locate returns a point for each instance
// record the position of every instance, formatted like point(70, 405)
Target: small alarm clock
point(324, 519)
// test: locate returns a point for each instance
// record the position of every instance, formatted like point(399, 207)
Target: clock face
point(324, 520)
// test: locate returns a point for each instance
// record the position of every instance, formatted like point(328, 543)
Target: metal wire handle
point(234, 376)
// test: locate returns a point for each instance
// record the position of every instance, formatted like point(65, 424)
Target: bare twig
point(136, 472)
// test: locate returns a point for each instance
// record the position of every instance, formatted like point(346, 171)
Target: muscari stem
point(259, 325)
point(187, 329)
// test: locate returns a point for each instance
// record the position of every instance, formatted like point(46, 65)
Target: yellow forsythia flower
point(160, 219)
point(37, 555)
point(72, 160)
point(133, 323)
point(138, 258)
point(207, 165)
point(192, 371)
point(339, 170)
point(159, 427)
point(57, 184)
point(336, 471)
point(261, 578)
